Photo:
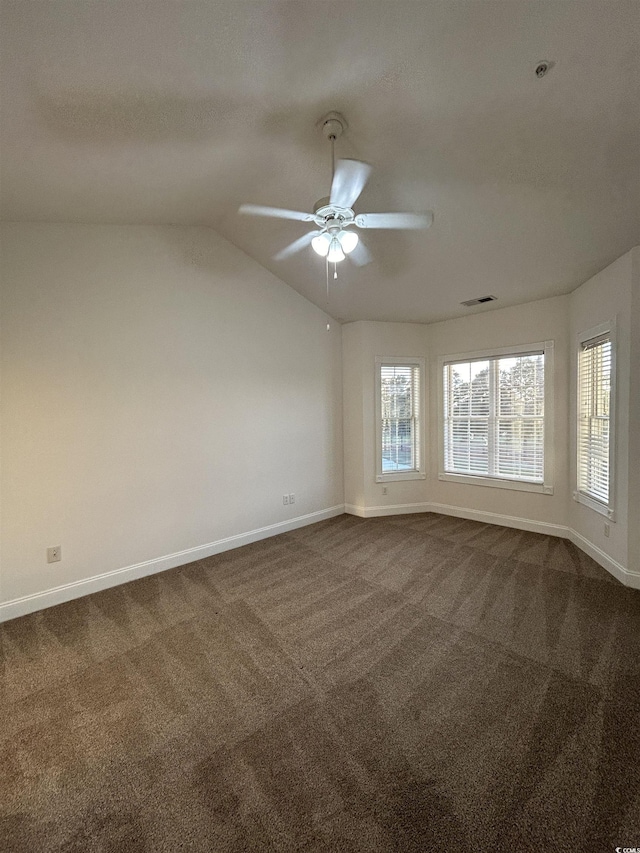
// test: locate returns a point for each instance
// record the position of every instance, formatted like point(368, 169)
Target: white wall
point(362, 342)
point(354, 416)
point(614, 292)
point(544, 320)
point(604, 297)
point(633, 508)
point(160, 392)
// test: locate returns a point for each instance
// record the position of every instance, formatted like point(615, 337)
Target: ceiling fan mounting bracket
point(332, 215)
point(333, 125)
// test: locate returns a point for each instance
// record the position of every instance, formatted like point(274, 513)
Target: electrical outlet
point(384, 490)
point(54, 554)
point(607, 529)
point(285, 500)
point(292, 498)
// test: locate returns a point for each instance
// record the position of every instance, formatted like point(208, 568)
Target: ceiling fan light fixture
point(320, 244)
point(348, 241)
point(335, 254)
point(333, 215)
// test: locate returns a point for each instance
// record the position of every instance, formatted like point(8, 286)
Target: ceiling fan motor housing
point(331, 216)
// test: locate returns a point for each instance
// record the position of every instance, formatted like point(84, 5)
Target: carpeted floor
point(412, 683)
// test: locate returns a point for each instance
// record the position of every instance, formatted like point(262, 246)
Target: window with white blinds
point(595, 375)
point(494, 417)
point(399, 403)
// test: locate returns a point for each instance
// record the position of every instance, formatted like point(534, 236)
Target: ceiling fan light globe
point(335, 254)
point(348, 241)
point(320, 244)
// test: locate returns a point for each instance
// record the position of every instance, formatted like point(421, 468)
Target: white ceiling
point(176, 112)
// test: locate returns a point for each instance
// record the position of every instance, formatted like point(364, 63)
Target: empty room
point(320, 426)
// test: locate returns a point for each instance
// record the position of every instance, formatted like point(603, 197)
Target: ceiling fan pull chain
point(326, 267)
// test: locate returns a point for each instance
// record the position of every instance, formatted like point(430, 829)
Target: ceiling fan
point(333, 237)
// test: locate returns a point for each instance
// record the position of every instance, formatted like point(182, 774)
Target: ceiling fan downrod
point(333, 126)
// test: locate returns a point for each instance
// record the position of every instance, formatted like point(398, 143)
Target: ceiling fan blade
point(360, 255)
point(394, 220)
point(278, 212)
point(349, 179)
point(296, 246)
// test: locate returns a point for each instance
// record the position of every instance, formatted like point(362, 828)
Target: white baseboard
point(502, 520)
point(459, 512)
point(77, 589)
point(393, 509)
point(615, 568)
point(67, 592)
point(631, 579)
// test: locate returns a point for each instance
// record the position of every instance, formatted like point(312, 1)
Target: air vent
point(479, 301)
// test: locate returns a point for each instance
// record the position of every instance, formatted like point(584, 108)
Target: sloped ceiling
point(177, 112)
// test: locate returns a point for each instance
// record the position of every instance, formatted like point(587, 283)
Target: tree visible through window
point(399, 410)
point(494, 417)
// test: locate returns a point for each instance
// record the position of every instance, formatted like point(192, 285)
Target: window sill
point(400, 475)
point(595, 505)
point(498, 483)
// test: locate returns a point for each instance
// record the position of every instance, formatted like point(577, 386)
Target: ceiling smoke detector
point(543, 67)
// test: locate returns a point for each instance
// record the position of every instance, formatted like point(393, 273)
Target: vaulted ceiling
point(177, 112)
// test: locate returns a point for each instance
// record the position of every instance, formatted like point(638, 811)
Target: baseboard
point(459, 512)
point(77, 589)
point(615, 568)
point(630, 579)
point(392, 509)
point(502, 520)
point(67, 592)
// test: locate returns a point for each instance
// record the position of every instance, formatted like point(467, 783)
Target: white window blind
point(400, 420)
point(494, 417)
point(594, 400)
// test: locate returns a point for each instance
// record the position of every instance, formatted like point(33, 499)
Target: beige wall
point(160, 391)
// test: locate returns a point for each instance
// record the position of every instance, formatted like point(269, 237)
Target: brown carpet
point(414, 683)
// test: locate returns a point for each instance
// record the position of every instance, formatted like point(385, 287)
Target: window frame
point(547, 485)
point(418, 473)
point(608, 509)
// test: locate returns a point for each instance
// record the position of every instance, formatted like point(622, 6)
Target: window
point(399, 383)
point(495, 430)
point(595, 407)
